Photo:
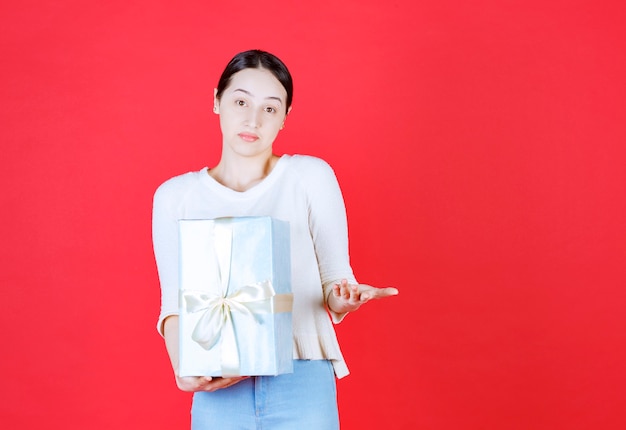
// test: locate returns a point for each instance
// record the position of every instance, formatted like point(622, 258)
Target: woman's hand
point(349, 297)
point(190, 383)
point(205, 383)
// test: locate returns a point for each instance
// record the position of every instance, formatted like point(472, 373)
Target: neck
point(241, 174)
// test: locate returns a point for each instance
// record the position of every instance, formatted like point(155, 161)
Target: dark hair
point(257, 59)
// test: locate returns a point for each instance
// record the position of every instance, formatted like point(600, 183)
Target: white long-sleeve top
point(300, 189)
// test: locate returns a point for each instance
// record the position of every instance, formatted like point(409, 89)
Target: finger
point(215, 384)
point(221, 383)
point(339, 290)
point(390, 291)
point(355, 294)
point(193, 383)
point(379, 293)
point(345, 288)
point(203, 381)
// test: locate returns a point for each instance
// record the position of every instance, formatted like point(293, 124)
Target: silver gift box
point(235, 297)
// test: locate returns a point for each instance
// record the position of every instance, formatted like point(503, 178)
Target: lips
point(248, 137)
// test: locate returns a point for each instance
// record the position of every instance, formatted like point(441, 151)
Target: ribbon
point(215, 325)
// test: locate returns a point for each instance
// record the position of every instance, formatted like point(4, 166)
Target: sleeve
point(329, 229)
point(165, 245)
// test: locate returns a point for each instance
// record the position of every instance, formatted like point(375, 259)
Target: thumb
point(386, 292)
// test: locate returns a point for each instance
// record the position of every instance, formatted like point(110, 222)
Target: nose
point(253, 118)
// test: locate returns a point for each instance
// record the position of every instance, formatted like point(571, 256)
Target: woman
point(253, 99)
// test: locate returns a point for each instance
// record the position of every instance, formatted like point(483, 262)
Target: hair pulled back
point(257, 59)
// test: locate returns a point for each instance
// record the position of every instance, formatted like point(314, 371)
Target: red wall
point(480, 149)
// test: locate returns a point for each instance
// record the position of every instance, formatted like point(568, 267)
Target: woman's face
point(252, 111)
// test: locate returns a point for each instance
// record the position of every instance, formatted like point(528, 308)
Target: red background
point(479, 146)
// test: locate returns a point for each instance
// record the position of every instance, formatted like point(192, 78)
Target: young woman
point(253, 99)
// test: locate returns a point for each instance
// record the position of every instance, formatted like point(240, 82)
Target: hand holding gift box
point(235, 297)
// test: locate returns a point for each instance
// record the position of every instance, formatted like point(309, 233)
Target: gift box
point(235, 297)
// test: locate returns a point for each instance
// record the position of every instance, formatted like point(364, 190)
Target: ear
point(283, 124)
point(216, 102)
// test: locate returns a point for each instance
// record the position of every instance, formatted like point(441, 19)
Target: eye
point(240, 102)
point(270, 109)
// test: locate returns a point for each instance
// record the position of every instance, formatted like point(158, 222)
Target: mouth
point(248, 137)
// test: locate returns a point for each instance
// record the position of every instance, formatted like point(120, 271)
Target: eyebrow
point(278, 99)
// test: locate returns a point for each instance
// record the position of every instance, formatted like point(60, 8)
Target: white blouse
point(300, 189)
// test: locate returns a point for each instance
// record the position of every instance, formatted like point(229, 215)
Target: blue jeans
point(302, 400)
